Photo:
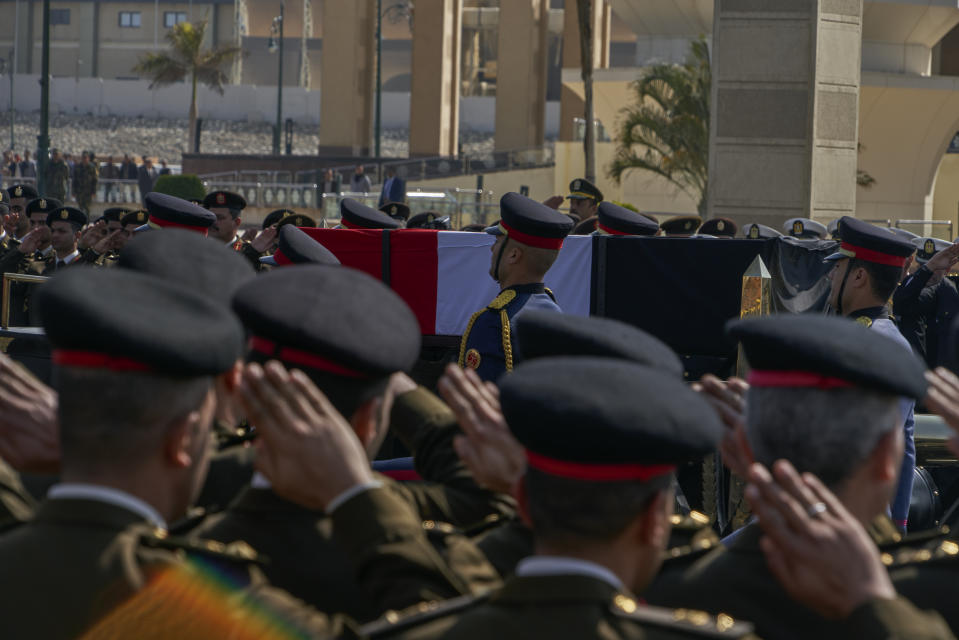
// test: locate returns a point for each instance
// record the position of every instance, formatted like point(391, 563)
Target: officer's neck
point(520, 277)
point(156, 490)
point(61, 254)
point(855, 301)
point(634, 565)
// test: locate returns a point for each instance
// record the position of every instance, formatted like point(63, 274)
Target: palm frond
point(161, 68)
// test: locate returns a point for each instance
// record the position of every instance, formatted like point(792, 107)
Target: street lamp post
point(277, 29)
point(379, 78)
point(43, 140)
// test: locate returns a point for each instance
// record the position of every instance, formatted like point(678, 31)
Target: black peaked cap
point(67, 214)
point(356, 215)
point(600, 411)
point(138, 217)
point(396, 210)
point(831, 347)
point(42, 205)
point(226, 199)
point(275, 216)
point(681, 225)
point(296, 220)
point(864, 241)
point(23, 191)
point(166, 211)
point(137, 317)
point(114, 214)
point(429, 220)
point(541, 334)
point(201, 264)
point(296, 247)
point(4, 207)
point(719, 227)
point(529, 222)
point(338, 314)
point(616, 220)
point(584, 189)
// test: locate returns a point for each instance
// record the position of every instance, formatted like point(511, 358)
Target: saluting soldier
point(584, 198)
point(317, 319)
point(228, 208)
point(65, 224)
point(869, 266)
point(602, 438)
point(824, 395)
point(100, 242)
point(528, 239)
point(31, 257)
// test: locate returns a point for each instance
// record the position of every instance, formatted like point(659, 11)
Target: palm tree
point(188, 58)
point(667, 130)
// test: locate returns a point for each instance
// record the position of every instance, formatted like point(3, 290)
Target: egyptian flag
point(444, 275)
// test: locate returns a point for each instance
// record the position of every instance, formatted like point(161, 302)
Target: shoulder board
point(911, 540)
point(491, 521)
point(502, 299)
point(549, 292)
point(444, 528)
point(942, 552)
point(685, 621)
point(236, 552)
point(393, 622)
point(189, 522)
point(684, 554)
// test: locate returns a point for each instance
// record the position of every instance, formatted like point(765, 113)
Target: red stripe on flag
point(413, 273)
point(356, 248)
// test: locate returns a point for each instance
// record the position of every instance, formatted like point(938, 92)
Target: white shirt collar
point(47, 251)
point(109, 495)
point(3, 234)
point(556, 565)
point(70, 258)
point(260, 481)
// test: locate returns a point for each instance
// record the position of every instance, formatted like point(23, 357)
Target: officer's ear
point(652, 525)
point(885, 460)
point(370, 424)
point(514, 253)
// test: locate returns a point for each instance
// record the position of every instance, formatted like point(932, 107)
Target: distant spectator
point(58, 177)
point(71, 163)
point(146, 177)
point(128, 169)
point(85, 178)
point(360, 183)
point(394, 188)
point(332, 182)
point(14, 166)
point(28, 168)
point(108, 173)
point(164, 170)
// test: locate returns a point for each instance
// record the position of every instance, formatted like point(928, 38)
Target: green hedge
point(187, 186)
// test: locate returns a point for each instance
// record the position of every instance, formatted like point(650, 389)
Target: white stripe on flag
point(463, 284)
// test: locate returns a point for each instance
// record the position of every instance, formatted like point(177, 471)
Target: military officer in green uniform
point(85, 179)
point(98, 553)
point(316, 319)
point(58, 176)
point(824, 395)
point(528, 239)
point(602, 439)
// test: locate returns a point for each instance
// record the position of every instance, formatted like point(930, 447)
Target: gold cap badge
point(576, 185)
point(720, 225)
point(220, 198)
point(64, 214)
point(688, 225)
point(393, 210)
point(43, 204)
point(754, 232)
point(930, 247)
point(798, 227)
point(18, 192)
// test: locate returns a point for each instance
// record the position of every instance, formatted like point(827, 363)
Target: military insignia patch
point(220, 198)
point(864, 321)
point(64, 214)
point(18, 192)
point(721, 225)
point(576, 185)
point(472, 359)
point(688, 225)
point(754, 232)
point(929, 248)
point(141, 217)
point(798, 227)
point(43, 204)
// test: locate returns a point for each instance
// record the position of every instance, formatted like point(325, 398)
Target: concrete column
point(346, 85)
point(785, 109)
point(435, 85)
point(571, 105)
point(522, 47)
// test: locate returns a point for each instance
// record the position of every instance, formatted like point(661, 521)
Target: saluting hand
point(29, 431)
point(265, 239)
point(306, 448)
point(487, 448)
point(729, 400)
point(942, 399)
point(819, 553)
point(944, 259)
point(10, 223)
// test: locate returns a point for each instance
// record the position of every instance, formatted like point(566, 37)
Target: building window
point(59, 16)
point(173, 18)
point(130, 19)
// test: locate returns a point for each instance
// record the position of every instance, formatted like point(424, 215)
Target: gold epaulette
point(396, 621)
point(503, 299)
point(498, 304)
point(942, 551)
point(687, 621)
point(236, 552)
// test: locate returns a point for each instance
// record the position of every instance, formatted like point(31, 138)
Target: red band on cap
point(304, 358)
point(92, 360)
point(799, 379)
point(533, 241)
point(176, 225)
point(869, 255)
point(597, 472)
point(611, 231)
point(280, 258)
point(349, 225)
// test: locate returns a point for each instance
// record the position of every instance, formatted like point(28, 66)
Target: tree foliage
point(666, 130)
